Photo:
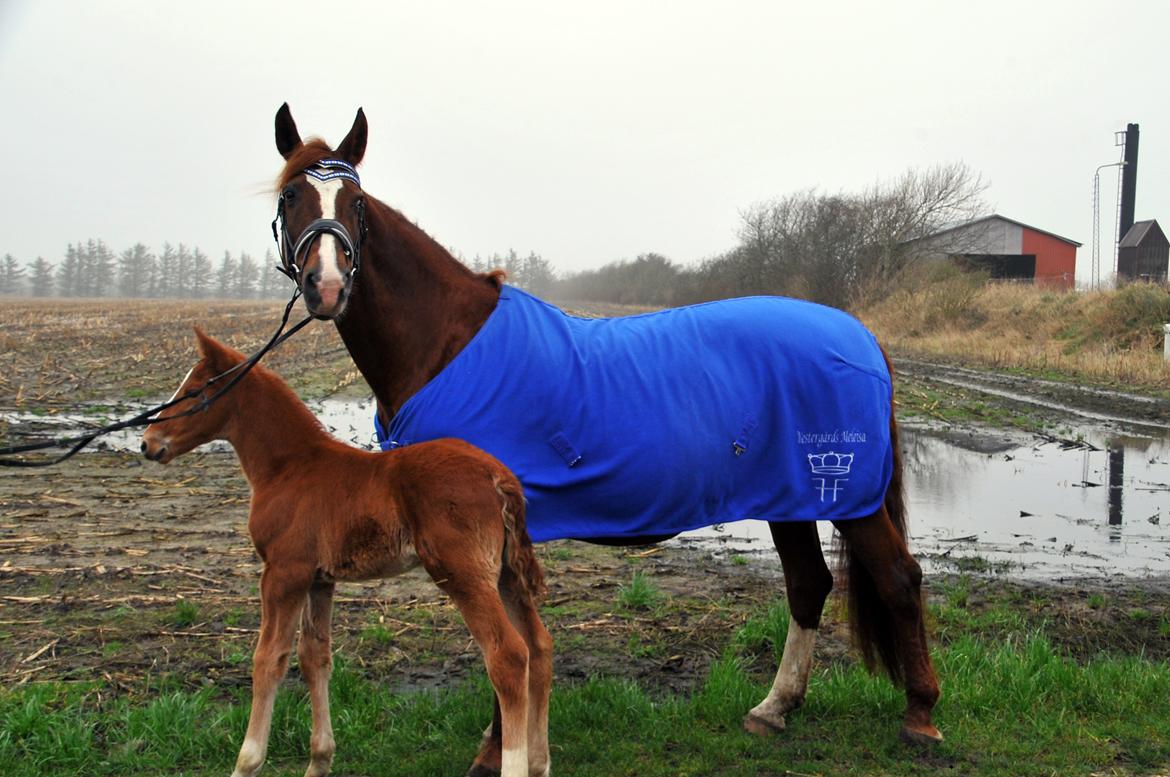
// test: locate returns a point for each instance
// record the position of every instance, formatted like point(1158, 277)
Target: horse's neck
point(414, 307)
point(271, 428)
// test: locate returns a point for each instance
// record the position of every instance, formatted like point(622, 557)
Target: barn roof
point(996, 216)
point(1138, 233)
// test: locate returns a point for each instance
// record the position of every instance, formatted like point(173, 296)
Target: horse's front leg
point(807, 581)
point(316, 661)
point(282, 597)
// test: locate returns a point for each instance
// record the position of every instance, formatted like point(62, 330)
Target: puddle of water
point(1033, 511)
point(1030, 509)
point(347, 420)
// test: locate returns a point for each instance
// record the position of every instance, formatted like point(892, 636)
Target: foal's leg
point(506, 656)
point(808, 582)
point(316, 662)
point(282, 597)
point(898, 579)
point(524, 616)
point(487, 760)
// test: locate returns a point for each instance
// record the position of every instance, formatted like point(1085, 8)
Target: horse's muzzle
point(325, 300)
point(155, 450)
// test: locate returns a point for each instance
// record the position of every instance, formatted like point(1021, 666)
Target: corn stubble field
point(128, 611)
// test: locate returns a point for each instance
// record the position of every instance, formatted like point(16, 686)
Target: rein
point(148, 417)
point(291, 253)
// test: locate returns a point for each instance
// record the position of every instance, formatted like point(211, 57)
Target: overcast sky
point(587, 132)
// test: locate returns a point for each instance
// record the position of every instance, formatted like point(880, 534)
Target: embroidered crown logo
point(830, 463)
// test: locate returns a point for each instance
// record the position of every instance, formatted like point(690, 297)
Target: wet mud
point(116, 568)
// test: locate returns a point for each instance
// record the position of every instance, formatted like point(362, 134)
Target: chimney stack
point(1128, 180)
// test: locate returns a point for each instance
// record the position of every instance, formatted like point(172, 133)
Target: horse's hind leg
point(808, 582)
point(524, 616)
point(316, 662)
point(487, 760)
point(506, 656)
point(896, 578)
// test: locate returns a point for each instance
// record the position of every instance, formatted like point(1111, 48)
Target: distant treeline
point(838, 249)
point(92, 269)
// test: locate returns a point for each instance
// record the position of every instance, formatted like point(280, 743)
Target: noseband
point(292, 254)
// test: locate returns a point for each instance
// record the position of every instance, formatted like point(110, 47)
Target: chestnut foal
point(323, 511)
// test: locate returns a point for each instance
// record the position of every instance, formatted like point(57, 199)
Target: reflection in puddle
point(1020, 506)
point(1027, 508)
point(1043, 508)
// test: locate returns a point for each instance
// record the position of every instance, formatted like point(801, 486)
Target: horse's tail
point(519, 556)
point(870, 620)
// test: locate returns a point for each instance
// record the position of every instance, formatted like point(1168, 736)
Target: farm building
point(1143, 253)
point(1007, 249)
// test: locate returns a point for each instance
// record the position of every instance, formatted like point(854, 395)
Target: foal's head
point(164, 440)
point(322, 212)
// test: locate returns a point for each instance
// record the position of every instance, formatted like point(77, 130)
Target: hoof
point(479, 770)
point(921, 737)
point(754, 724)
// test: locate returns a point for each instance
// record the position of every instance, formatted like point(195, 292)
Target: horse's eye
point(288, 195)
point(359, 204)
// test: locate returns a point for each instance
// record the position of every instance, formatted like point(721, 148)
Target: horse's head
point(166, 439)
point(321, 213)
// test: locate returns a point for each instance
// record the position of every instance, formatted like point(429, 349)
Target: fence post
point(1166, 342)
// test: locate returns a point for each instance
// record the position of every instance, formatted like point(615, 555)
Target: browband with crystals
point(328, 169)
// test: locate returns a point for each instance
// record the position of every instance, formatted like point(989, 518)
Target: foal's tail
point(519, 556)
point(870, 619)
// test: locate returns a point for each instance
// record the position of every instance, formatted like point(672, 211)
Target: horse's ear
point(353, 148)
point(203, 343)
point(288, 139)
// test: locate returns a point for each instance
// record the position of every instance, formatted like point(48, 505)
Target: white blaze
point(327, 246)
point(182, 383)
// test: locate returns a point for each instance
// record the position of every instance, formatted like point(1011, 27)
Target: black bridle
point(150, 416)
point(292, 254)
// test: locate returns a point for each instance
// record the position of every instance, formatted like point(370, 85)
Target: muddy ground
point(117, 568)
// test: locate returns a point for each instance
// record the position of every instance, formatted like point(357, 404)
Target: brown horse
point(413, 308)
point(324, 512)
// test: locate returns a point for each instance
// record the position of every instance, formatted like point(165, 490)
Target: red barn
point(1009, 249)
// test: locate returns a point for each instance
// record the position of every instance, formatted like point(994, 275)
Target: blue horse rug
point(763, 407)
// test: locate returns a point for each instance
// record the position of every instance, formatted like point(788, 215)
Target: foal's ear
point(353, 148)
point(288, 139)
point(212, 351)
point(203, 343)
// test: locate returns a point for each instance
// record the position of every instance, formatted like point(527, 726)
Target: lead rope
point(149, 416)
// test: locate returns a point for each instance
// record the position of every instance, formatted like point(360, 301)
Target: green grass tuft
point(640, 593)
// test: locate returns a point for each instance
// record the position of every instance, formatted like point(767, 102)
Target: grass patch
point(640, 593)
point(764, 632)
point(184, 614)
point(1013, 706)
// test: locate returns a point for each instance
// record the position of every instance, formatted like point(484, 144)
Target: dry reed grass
point(1106, 337)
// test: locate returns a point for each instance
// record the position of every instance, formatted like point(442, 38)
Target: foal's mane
point(271, 383)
